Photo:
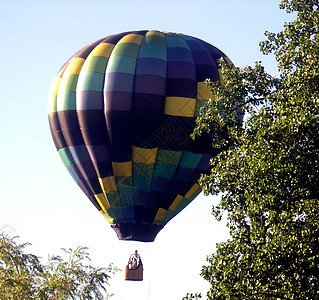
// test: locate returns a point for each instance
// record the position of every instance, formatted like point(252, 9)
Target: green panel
point(126, 49)
point(66, 101)
point(96, 64)
point(117, 212)
point(92, 82)
point(168, 157)
point(164, 170)
point(189, 160)
point(142, 183)
point(126, 197)
point(122, 64)
point(66, 156)
point(123, 183)
point(110, 215)
point(70, 82)
point(114, 199)
point(153, 51)
point(145, 170)
point(154, 40)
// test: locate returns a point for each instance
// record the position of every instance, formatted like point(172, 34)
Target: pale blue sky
point(38, 198)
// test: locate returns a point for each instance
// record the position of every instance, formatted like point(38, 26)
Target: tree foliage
point(23, 276)
point(267, 171)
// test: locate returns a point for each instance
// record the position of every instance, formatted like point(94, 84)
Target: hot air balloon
point(121, 111)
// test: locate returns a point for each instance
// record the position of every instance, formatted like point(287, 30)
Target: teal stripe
point(66, 156)
point(164, 170)
point(190, 160)
point(126, 197)
point(153, 51)
point(176, 42)
point(122, 64)
point(142, 183)
point(66, 101)
point(92, 82)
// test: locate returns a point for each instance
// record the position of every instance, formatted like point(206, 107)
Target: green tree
point(267, 171)
point(23, 276)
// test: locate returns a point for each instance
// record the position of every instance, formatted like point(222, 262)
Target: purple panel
point(140, 198)
point(56, 131)
point(181, 87)
point(118, 82)
point(147, 118)
point(180, 69)
point(151, 66)
point(99, 153)
point(119, 125)
point(87, 170)
point(89, 100)
point(120, 101)
point(204, 58)
point(149, 84)
point(79, 153)
point(70, 127)
point(204, 162)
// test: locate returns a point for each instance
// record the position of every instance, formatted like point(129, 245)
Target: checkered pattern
point(121, 111)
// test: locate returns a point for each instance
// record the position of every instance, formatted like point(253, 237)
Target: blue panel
point(128, 213)
point(141, 183)
point(183, 174)
point(159, 184)
point(149, 84)
point(180, 54)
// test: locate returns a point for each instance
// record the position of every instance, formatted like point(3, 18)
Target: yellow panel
point(203, 93)
point(155, 33)
point(177, 200)
point(103, 49)
point(108, 184)
point(160, 215)
point(122, 169)
point(101, 199)
point(194, 188)
point(179, 106)
point(75, 65)
point(52, 104)
point(145, 156)
point(132, 38)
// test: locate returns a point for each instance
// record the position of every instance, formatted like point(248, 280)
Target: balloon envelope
point(121, 111)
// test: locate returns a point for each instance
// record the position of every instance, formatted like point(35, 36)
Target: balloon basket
point(134, 275)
